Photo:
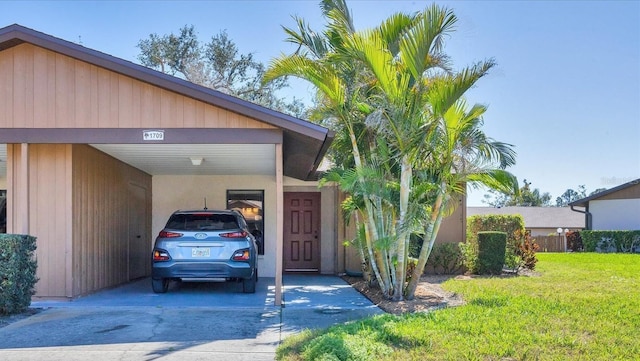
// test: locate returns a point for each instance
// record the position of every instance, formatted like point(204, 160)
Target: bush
point(512, 225)
point(574, 241)
point(469, 254)
point(611, 241)
point(528, 253)
point(492, 248)
point(17, 272)
point(445, 258)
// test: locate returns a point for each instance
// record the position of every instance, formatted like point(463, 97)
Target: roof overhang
point(304, 143)
point(584, 202)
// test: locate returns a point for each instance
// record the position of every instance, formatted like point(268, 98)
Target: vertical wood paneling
point(65, 91)
point(189, 113)
point(42, 89)
point(101, 205)
point(83, 93)
point(114, 111)
point(104, 99)
point(6, 88)
point(94, 105)
point(49, 214)
point(40, 72)
point(20, 85)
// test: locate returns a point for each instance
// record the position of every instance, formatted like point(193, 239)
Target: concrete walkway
point(193, 321)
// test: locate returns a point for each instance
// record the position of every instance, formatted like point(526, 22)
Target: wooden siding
point(43, 89)
point(49, 213)
point(104, 202)
point(632, 192)
point(452, 230)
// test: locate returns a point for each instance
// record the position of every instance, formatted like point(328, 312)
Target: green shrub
point(512, 225)
point(17, 272)
point(492, 248)
point(611, 241)
point(469, 254)
point(445, 258)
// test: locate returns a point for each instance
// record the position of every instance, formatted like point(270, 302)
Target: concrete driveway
point(193, 321)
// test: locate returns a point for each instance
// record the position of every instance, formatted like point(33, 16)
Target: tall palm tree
point(321, 61)
point(462, 154)
point(393, 93)
point(416, 92)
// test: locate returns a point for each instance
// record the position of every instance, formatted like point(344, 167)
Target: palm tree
point(392, 92)
point(321, 61)
point(462, 155)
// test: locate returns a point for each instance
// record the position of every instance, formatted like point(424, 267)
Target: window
point(250, 204)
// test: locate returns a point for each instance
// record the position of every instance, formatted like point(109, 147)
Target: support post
point(279, 224)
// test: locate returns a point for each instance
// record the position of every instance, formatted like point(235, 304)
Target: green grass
point(584, 306)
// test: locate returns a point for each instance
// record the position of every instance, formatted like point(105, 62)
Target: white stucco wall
point(173, 192)
point(615, 214)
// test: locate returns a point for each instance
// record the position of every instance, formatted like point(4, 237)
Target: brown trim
point(584, 202)
point(135, 136)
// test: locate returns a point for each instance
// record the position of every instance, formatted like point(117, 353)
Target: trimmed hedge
point(512, 225)
point(492, 247)
point(17, 272)
point(611, 241)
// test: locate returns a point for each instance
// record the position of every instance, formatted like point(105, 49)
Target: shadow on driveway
point(192, 321)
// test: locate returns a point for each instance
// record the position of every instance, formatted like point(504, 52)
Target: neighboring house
point(96, 152)
point(617, 208)
point(539, 221)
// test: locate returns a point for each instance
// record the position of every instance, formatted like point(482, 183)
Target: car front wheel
point(249, 284)
point(160, 285)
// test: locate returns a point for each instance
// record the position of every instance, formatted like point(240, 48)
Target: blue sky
point(566, 91)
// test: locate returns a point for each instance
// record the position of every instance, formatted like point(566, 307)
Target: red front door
point(301, 232)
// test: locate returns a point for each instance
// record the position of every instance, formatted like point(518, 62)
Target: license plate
point(200, 252)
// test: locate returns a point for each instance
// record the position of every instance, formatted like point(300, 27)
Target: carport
point(98, 151)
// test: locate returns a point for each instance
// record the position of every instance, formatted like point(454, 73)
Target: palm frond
point(445, 91)
point(323, 77)
point(425, 38)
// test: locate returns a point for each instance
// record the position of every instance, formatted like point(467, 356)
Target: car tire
point(160, 285)
point(249, 284)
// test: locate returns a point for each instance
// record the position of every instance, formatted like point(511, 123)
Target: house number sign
point(152, 135)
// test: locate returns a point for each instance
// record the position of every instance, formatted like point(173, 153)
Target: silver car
point(205, 245)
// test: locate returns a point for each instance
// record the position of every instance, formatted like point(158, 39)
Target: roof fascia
point(584, 201)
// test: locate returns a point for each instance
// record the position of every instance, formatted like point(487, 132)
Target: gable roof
point(536, 217)
point(585, 201)
point(304, 143)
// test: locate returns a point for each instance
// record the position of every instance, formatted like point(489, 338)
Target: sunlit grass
point(582, 306)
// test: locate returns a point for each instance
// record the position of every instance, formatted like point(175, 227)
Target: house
point(539, 221)
point(617, 208)
point(97, 152)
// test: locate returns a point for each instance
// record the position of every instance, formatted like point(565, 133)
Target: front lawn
point(583, 306)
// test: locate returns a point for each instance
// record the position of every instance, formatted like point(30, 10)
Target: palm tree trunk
point(371, 230)
point(406, 174)
point(362, 245)
point(427, 243)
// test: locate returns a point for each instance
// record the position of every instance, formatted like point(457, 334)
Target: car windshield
point(202, 221)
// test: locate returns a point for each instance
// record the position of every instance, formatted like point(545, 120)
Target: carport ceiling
point(174, 159)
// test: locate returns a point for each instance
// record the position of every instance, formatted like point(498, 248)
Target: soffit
point(174, 159)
